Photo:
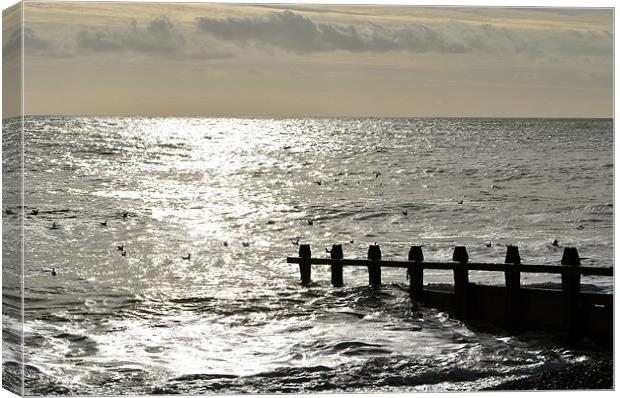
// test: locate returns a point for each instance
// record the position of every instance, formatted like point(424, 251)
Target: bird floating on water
point(104, 224)
point(8, 211)
point(188, 257)
point(245, 244)
point(555, 243)
point(296, 241)
point(488, 244)
point(225, 243)
point(54, 225)
point(124, 253)
point(580, 227)
point(125, 214)
point(53, 271)
point(34, 212)
point(377, 174)
point(405, 212)
point(460, 201)
point(310, 222)
point(121, 247)
point(318, 182)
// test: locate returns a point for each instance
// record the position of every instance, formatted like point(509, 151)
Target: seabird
point(121, 247)
point(405, 212)
point(225, 243)
point(54, 226)
point(318, 182)
point(189, 256)
point(245, 244)
point(34, 212)
point(488, 244)
point(580, 227)
point(124, 254)
point(104, 224)
point(8, 211)
point(310, 222)
point(125, 214)
point(351, 241)
point(53, 271)
point(460, 202)
point(377, 174)
point(555, 243)
point(296, 241)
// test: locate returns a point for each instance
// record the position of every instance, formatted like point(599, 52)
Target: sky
point(320, 60)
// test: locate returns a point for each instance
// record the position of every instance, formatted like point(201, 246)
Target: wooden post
point(512, 314)
point(305, 269)
point(416, 273)
point(571, 282)
point(461, 282)
point(336, 254)
point(374, 271)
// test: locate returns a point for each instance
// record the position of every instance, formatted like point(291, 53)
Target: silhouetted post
point(570, 286)
point(336, 254)
point(374, 271)
point(461, 280)
point(304, 268)
point(416, 273)
point(512, 317)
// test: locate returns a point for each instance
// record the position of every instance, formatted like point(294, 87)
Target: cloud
point(32, 42)
point(159, 37)
point(286, 30)
point(296, 33)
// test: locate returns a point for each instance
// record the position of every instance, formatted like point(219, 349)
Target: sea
point(239, 195)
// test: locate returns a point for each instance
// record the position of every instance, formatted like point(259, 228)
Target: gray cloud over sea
point(296, 33)
point(160, 37)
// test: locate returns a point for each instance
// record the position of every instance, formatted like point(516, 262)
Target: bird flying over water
point(296, 241)
point(555, 243)
point(121, 247)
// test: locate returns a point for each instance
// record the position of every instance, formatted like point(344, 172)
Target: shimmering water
point(234, 318)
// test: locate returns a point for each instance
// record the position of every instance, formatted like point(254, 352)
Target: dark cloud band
point(296, 33)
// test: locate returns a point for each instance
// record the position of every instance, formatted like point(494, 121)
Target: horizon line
point(308, 117)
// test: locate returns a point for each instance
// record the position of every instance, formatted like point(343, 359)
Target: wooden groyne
point(569, 311)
